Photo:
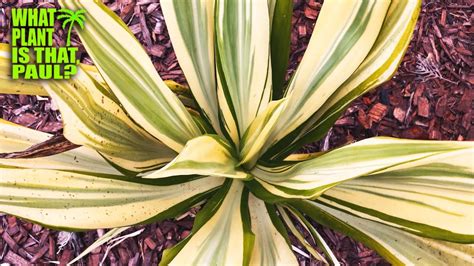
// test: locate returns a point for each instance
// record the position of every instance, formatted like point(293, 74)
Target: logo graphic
point(70, 18)
point(33, 53)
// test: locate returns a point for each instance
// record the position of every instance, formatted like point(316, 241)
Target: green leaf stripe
point(243, 62)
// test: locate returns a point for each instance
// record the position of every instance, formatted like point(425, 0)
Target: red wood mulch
point(430, 97)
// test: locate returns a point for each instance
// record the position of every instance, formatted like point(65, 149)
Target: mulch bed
point(430, 97)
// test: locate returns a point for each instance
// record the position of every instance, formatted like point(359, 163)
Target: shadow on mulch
point(430, 97)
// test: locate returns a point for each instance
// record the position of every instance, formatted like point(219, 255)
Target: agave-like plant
point(146, 157)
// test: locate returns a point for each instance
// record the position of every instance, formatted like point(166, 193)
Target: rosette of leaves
point(145, 156)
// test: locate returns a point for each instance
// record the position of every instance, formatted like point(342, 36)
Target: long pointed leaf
point(271, 247)
point(91, 117)
point(258, 132)
point(243, 62)
point(218, 238)
point(299, 235)
point(73, 200)
point(129, 72)
point(280, 44)
point(318, 239)
point(15, 138)
point(395, 245)
point(377, 67)
point(205, 155)
point(310, 178)
point(434, 199)
point(330, 60)
point(194, 48)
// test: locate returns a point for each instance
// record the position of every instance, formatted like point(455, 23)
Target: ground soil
point(430, 97)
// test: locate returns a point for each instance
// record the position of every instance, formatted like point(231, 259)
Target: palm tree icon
point(71, 18)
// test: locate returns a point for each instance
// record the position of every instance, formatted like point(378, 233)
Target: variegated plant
point(146, 157)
